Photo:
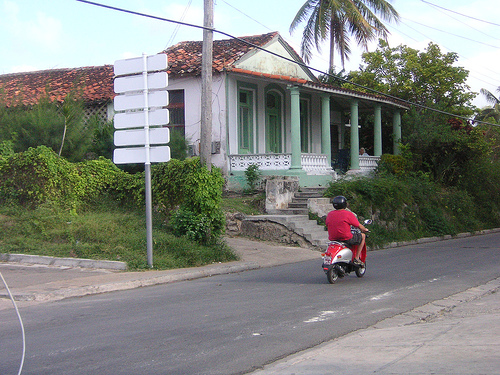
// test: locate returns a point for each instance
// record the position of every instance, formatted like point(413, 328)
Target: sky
point(52, 34)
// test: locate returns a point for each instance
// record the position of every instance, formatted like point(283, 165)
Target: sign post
point(141, 85)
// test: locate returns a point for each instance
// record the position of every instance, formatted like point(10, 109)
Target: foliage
point(105, 231)
point(61, 127)
point(6, 149)
point(428, 78)
point(102, 138)
point(410, 208)
point(333, 78)
point(178, 145)
point(335, 21)
point(252, 175)
point(196, 191)
point(445, 149)
point(38, 175)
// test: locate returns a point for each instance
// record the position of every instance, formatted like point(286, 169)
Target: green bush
point(106, 231)
point(409, 208)
point(197, 193)
point(39, 175)
point(252, 175)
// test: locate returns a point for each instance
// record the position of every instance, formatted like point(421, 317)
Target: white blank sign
point(158, 154)
point(137, 137)
point(137, 101)
point(136, 64)
point(155, 81)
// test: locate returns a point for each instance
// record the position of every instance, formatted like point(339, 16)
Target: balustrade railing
point(310, 162)
point(368, 163)
point(264, 161)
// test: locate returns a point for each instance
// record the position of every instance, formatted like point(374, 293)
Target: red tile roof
point(94, 84)
point(267, 75)
point(184, 58)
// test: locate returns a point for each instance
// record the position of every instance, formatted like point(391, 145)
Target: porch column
point(377, 150)
point(354, 135)
point(396, 126)
point(296, 160)
point(326, 143)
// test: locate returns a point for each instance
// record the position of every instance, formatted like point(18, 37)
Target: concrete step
point(300, 224)
point(294, 204)
point(293, 211)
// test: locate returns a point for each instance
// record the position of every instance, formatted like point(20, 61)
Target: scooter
point(338, 260)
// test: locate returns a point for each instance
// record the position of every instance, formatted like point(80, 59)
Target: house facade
point(268, 108)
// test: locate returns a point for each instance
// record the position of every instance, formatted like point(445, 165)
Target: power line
point(177, 27)
point(461, 14)
point(246, 15)
point(456, 19)
point(282, 57)
point(458, 36)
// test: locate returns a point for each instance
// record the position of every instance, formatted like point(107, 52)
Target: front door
point(273, 123)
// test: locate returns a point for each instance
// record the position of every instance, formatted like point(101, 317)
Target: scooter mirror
point(368, 221)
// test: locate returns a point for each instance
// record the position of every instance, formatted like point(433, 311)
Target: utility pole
point(206, 85)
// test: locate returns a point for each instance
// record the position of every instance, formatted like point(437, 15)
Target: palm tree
point(494, 110)
point(337, 20)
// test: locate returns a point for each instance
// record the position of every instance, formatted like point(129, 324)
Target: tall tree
point(428, 78)
point(492, 112)
point(337, 20)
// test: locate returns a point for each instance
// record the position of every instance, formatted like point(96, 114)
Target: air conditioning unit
point(216, 147)
point(192, 150)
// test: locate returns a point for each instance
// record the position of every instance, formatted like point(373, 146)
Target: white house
point(267, 110)
point(272, 111)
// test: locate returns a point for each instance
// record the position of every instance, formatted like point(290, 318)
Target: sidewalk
point(457, 335)
point(34, 283)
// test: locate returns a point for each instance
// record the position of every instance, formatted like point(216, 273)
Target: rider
point(339, 223)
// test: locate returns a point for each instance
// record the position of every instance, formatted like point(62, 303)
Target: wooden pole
point(206, 86)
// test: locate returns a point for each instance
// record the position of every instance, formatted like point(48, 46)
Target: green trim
point(277, 132)
point(237, 180)
point(305, 126)
point(250, 108)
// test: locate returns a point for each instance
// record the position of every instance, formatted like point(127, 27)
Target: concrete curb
point(433, 310)
point(436, 239)
point(142, 280)
point(64, 262)
point(429, 339)
point(122, 266)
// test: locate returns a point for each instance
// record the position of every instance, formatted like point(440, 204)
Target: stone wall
point(279, 192)
point(271, 231)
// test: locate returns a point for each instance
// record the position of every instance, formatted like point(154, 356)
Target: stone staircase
point(295, 221)
point(298, 205)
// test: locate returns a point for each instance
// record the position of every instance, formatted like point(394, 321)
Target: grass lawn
point(109, 232)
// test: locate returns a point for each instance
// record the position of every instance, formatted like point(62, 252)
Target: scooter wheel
point(332, 275)
point(360, 271)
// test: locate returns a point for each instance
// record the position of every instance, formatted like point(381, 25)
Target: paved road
point(235, 323)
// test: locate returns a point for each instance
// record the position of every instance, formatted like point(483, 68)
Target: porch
point(311, 163)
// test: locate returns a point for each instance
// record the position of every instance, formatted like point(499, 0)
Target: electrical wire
point(177, 27)
point(456, 35)
point(461, 14)
point(286, 59)
point(20, 322)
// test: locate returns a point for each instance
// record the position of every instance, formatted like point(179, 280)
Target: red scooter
point(338, 260)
